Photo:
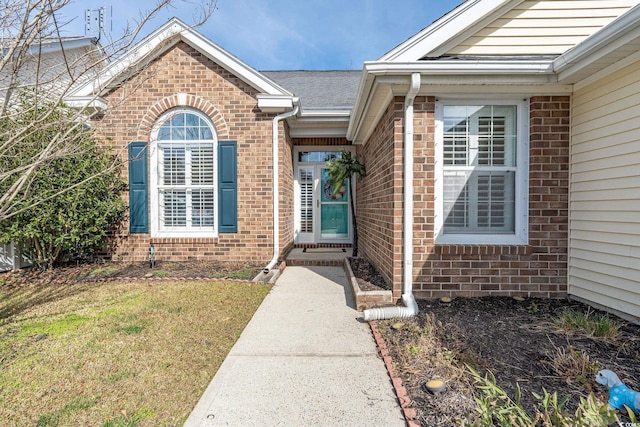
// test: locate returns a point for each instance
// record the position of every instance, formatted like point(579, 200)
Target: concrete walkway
point(303, 360)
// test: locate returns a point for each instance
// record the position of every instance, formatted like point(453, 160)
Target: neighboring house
point(11, 259)
point(52, 65)
point(501, 144)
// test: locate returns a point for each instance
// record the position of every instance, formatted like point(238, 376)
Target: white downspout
point(276, 184)
point(410, 306)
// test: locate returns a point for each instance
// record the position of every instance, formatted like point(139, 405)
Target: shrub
point(72, 199)
point(599, 325)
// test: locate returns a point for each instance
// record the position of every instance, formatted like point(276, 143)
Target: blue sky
point(289, 34)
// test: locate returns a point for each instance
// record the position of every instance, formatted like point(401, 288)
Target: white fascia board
point(485, 91)
point(452, 27)
point(60, 45)
point(362, 100)
point(86, 102)
point(378, 96)
point(55, 46)
point(131, 57)
point(622, 30)
point(327, 114)
point(462, 67)
point(275, 103)
point(164, 38)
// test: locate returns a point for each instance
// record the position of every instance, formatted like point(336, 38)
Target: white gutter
point(410, 306)
point(276, 183)
point(468, 66)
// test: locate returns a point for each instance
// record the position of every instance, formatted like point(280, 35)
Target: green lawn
point(116, 354)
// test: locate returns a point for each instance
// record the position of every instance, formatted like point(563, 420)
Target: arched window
point(183, 175)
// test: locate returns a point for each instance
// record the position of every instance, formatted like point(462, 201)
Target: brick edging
point(401, 391)
point(163, 279)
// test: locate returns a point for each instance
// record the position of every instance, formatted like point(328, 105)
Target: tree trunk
point(353, 219)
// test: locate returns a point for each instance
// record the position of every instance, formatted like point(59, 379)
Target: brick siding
point(537, 269)
point(319, 142)
point(133, 108)
point(379, 198)
point(286, 193)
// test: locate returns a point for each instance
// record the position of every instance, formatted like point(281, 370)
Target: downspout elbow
point(410, 309)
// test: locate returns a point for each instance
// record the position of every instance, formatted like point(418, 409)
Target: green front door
point(334, 209)
point(321, 216)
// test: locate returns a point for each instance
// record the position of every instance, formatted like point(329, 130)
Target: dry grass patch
point(419, 353)
point(133, 354)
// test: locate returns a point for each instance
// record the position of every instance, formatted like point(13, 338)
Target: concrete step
point(333, 257)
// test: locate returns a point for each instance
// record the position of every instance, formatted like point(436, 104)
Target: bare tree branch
point(39, 68)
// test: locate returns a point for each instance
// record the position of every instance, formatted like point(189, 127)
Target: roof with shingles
point(320, 89)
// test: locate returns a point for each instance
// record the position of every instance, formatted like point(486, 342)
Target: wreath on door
point(330, 194)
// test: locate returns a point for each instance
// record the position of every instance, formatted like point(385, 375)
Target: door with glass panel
point(323, 216)
point(334, 208)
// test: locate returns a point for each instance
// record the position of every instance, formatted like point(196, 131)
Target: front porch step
point(317, 256)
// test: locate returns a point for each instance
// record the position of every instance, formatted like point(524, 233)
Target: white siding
point(10, 258)
point(543, 27)
point(604, 256)
point(55, 72)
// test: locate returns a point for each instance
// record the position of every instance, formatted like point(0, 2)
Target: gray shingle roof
point(320, 89)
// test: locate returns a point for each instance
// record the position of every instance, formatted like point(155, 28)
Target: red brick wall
point(536, 269)
point(319, 142)
point(379, 198)
point(286, 191)
point(231, 104)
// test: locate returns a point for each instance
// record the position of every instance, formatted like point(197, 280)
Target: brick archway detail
point(182, 100)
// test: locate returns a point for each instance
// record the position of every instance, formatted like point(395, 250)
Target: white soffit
point(320, 123)
point(613, 43)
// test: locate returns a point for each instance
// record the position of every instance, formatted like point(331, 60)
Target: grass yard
point(116, 354)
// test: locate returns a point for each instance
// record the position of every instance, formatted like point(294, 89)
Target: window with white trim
point(481, 185)
point(184, 175)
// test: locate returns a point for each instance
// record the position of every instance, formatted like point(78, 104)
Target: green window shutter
point(227, 187)
point(138, 188)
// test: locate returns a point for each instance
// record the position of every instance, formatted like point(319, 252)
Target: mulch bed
point(368, 278)
point(113, 270)
point(208, 269)
point(519, 342)
point(514, 340)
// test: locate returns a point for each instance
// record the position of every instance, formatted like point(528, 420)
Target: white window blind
point(479, 169)
point(186, 174)
point(306, 200)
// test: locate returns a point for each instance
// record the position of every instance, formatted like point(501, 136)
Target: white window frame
point(154, 172)
point(521, 233)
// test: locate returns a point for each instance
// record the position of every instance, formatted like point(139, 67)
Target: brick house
point(468, 130)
